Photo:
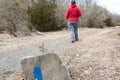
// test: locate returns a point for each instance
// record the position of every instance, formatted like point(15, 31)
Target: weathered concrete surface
point(50, 64)
point(10, 59)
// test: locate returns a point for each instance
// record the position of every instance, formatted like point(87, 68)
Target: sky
point(112, 5)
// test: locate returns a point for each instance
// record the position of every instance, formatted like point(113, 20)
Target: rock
point(39, 33)
point(50, 64)
point(28, 64)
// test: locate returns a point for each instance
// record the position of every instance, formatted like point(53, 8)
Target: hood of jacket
point(73, 10)
point(73, 6)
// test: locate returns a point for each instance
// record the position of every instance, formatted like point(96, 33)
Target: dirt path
point(95, 57)
point(13, 49)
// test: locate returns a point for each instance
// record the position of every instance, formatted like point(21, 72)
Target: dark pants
point(73, 26)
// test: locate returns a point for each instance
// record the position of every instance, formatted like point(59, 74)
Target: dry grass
point(95, 58)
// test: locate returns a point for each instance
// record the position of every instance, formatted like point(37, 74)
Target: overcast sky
point(112, 5)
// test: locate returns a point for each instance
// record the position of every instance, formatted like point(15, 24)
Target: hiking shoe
point(72, 41)
point(76, 39)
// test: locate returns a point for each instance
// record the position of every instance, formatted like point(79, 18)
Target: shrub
point(42, 15)
point(13, 18)
point(118, 34)
point(62, 6)
point(110, 22)
point(2, 29)
point(93, 16)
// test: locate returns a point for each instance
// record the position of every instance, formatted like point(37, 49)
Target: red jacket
point(73, 13)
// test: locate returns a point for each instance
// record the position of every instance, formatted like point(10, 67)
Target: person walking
point(72, 15)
